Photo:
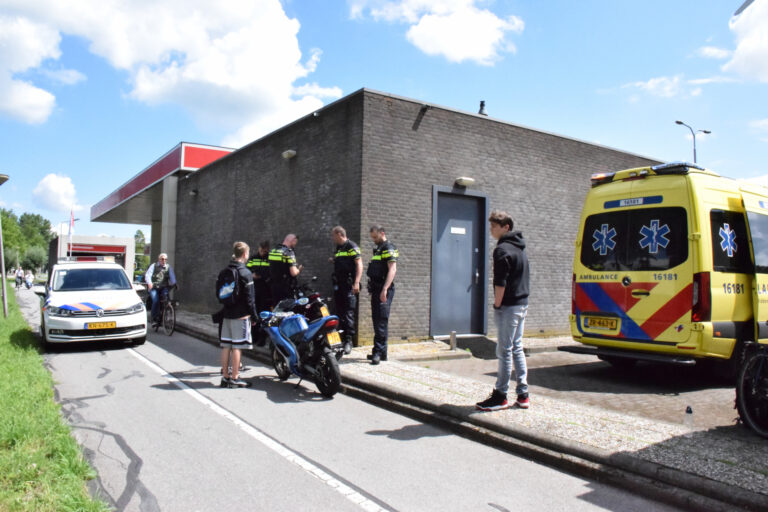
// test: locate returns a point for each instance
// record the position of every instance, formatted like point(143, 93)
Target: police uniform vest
point(160, 276)
point(344, 268)
point(281, 259)
point(379, 265)
point(259, 265)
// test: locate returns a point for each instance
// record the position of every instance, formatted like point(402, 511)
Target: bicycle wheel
point(169, 319)
point(752, 392)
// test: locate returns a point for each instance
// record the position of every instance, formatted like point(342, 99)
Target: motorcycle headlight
point(136, 308)
point(57, 311)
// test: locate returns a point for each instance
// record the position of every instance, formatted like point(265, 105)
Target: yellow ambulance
point(671, 265)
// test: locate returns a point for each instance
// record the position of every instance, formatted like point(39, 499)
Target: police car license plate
point(324, 311)
point(596, 322)
point(101, 325)
point(333, 337)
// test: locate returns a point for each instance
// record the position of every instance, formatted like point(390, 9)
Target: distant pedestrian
point(258, 264)
point(19, 277)
point(511, 284)
point(235, 334)
point(381, 276)
point(347, 271)
point(283, 269)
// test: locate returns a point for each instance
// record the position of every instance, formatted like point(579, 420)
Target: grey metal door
point(458, 264)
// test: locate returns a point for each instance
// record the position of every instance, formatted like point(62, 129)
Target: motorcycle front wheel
point(281, 367)
point(752, 392)
point(328, 379)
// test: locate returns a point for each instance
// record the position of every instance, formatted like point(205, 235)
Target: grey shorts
point(236, 333)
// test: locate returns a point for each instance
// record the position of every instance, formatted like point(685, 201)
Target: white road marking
point(286, 453)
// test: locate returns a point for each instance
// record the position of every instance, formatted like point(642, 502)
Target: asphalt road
point(163, 436)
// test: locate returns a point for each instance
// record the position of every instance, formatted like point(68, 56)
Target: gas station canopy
point(139, 201)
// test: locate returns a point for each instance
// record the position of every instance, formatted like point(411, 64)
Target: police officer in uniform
point(381, 275)
point(259, 267)
point(283, 269)
point(347, 271)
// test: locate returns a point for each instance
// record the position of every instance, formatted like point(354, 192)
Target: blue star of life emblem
point(728, 240)
point(654, 237)
point(604, 239)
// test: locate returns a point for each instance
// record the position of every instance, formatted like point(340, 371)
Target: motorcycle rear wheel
point(328, 379)
point(752, 392)
point(281, 367)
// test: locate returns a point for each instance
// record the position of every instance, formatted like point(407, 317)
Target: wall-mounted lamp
point(193, 192)
point(464, 181)
point(289, 153)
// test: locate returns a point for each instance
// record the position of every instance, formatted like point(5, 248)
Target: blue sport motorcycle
point(302, 348)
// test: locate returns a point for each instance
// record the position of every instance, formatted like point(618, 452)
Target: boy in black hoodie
point(511, 278)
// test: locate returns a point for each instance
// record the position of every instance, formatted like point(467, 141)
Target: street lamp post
point(3, 179)
point(693, 133)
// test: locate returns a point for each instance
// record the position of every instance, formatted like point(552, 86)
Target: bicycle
point(752, 390)
point(167, 312)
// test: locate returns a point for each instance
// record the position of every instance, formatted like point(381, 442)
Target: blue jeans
point(510, 322)
point(153, 293)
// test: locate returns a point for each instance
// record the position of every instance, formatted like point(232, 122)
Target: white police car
point(93, 301)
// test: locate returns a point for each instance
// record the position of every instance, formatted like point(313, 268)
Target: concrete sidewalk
point(717, 469)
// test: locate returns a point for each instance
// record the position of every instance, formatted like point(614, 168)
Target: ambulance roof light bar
point(675, 168)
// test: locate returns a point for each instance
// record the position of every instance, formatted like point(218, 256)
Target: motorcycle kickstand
point(301, 379)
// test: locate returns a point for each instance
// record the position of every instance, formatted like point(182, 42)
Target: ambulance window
point(758, 226)
point(641, 239)
point(730, 251)
point(659, 238)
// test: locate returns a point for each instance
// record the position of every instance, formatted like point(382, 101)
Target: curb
point(659, 482)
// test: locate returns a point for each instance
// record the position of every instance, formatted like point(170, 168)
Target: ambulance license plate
point(324, 311)
point(334, 338)
point(596, 322)
point(101, 325)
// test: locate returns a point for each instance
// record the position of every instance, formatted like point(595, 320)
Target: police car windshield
point(78, 279)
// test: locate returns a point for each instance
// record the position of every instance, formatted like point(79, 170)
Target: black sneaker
point(370, 357)
point(496, 402)
point(226, 382)
point(375, 359)
point(239, 383)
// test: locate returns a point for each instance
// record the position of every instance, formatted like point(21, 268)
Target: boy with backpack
point(234, 290)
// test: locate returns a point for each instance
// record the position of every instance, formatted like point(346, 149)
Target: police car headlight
point(136, 308)
point(56, 311)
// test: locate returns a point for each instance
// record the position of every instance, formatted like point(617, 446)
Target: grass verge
point(41, 465)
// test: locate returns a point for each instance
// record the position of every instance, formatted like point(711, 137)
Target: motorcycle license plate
point(596, 322)
point(324, 311)
point(101, 325)
point(333, 338)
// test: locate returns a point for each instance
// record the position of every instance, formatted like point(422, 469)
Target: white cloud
point(25, 45)
point(56, 192)
point(64, 76)
point(663, 86)
point(750, 58)
point(761, 127)
point(457, 30)
point(713, 52)
point(231, 63)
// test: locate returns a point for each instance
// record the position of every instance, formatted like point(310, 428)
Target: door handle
point(638, 293)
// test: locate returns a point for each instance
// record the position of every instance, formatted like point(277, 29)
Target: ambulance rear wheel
point(621, 363)
point(752, 392)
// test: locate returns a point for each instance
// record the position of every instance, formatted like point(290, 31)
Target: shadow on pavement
point(411, 432)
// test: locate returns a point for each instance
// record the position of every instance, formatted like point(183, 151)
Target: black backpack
point(228, 286)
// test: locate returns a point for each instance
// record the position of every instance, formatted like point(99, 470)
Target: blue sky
point(93, 91)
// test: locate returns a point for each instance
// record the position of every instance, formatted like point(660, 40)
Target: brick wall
point(373, 158)
point(254, 194)
point(539, 178)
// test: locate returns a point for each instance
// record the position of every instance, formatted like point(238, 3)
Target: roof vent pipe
point(482, 111)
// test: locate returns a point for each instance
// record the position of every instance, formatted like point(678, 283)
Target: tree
point(12, 235)
point(34, 258)
point(140, 242)
point(35, 229)
point(11, 256)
